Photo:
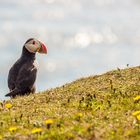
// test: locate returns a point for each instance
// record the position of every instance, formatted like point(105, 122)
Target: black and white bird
point(22, 75)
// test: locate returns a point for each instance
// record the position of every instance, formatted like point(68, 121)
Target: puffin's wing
point(13, 75)
point(25, 80)
point(11, 79)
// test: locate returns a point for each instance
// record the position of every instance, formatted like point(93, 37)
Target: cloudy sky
point(84, 37)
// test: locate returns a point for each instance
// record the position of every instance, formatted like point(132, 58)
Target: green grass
point(98, 107)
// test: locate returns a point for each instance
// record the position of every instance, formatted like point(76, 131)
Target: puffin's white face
point(34, 46)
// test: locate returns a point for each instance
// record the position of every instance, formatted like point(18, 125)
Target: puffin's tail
point(13, 93)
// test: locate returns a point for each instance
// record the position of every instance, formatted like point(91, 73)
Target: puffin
point(22, 75)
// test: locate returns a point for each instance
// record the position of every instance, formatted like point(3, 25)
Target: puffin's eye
point(33, 42)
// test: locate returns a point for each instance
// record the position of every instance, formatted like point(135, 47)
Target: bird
point(22, 75)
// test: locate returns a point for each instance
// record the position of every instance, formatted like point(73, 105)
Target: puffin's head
point(33, 45)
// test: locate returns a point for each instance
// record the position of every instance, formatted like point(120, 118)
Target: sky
point(83, 37)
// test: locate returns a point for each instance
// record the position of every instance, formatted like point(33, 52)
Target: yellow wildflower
point(49, 122)
point(36, 130)
point(0, 137)
point(79, 115)
point(8, 105)
point(12, 129)
point(138, 117)
point(113, 132)
point(136, 113)
point(137, 98)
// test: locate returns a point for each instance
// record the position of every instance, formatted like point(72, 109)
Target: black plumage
point(22, 75)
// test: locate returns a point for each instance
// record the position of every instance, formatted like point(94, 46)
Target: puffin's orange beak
point(43, 48)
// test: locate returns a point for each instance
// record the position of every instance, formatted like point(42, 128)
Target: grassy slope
point(97, 107)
